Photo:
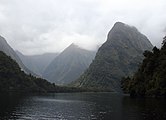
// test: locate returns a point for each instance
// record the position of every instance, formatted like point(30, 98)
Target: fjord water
point(80, 106)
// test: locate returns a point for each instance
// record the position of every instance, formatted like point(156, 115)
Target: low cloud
point(36, 27)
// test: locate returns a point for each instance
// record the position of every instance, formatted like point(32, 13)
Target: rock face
point(37, 63)
point(4, 47)
point(68, 65)
point(119, 56)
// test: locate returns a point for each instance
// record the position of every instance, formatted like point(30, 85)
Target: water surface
point(80, 106)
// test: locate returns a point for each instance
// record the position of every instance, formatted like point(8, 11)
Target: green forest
point(12, 78)
point(150, 79)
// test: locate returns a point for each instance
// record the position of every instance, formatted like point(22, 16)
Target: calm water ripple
point(80, 106)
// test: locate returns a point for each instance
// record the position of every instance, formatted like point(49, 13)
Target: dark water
point(80, 106)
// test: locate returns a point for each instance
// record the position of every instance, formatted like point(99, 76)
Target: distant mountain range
point(37, 63)
point(68, 65)
point(5, 47)
point(13, 79)
point(118, 57)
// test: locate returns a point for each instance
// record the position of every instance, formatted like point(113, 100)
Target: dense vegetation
point(6, 48)
point(150, 79)
point(12, 78)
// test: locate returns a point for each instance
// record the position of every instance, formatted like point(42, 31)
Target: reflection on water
point(80, 106)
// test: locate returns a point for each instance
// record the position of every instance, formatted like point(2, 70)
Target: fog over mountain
point(6, 48)
point(37, 63)
point(119, 56)
point(36, 27)
point(68, 65)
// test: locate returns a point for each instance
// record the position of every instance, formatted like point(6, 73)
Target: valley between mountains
point(75, 68)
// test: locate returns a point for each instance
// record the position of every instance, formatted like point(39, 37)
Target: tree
point(164, 40)
point(150, 78)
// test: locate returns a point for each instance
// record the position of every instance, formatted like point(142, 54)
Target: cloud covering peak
point(35, 27)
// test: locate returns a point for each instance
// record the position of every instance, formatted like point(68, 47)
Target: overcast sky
point(39, 26)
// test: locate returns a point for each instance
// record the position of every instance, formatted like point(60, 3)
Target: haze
point(40, 26)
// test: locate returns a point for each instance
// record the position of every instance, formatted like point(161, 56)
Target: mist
point(36, 27)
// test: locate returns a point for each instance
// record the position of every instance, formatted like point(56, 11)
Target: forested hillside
point(150, 79)
point(12, 78)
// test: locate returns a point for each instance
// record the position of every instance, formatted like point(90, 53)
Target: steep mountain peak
point(119, 56)
point(119, 24)
point(68, 65)
point(120, 27)
point(72, 47)
point(125, 35)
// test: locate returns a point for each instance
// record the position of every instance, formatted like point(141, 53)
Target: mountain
point(68, 65)
point(37, 63)
point(119, 56)
point(150, 78)
point(13, 79)
point(5, 47)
